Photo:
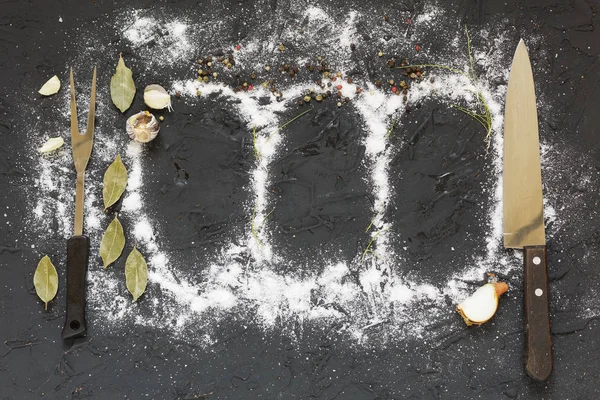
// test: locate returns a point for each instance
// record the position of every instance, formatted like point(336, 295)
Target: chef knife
point(78, 245)
point(524, 210)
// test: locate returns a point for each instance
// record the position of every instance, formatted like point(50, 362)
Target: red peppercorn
point(394, 89)
point(408, 20)
point(339, 87)
point(250, 87)
point(238, 47)
point(417, 47)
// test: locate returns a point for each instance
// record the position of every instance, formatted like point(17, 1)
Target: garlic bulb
point(156, 97)
point(142, 127)
point(51, 87)
point(482, 304)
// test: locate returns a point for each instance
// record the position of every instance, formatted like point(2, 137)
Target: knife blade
point(78, 245)
point(523, 210)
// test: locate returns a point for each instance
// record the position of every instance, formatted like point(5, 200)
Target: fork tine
point(89, 130)
point(74, 124)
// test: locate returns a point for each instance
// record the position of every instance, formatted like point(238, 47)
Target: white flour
point(251, 290)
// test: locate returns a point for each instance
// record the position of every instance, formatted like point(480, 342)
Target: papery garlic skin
point(142, 127)
point(156, 97)
point(482, 305)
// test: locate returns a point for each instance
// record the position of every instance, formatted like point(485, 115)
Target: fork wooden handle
point(77, 261)
point(538, 337)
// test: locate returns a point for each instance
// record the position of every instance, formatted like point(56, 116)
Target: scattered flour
point(250, 288)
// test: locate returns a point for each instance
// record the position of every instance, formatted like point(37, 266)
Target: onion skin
point(499, 289)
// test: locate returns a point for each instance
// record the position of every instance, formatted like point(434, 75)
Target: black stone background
point(246, 363)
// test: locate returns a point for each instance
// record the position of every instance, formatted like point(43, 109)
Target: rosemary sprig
point(287, 123)
point(368, 249)
point(485, 118)
point(254, 227)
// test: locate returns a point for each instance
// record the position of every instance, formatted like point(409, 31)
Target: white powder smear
point(248, 287)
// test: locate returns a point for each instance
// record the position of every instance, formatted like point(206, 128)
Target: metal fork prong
point(89, 130)
point(74, 124)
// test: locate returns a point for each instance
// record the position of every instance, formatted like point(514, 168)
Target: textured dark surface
point(247, 363)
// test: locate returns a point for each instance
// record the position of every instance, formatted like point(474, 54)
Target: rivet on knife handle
point(538, 338)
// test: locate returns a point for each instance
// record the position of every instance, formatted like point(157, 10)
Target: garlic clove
point(51, 145)
point(51, 87)
point(156, 97)
point(142, 127)
point(482, 305)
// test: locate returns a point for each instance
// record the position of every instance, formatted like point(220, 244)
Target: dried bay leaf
point(45, 280)
point(112, 243)
point(115, 182)
point(122, 86)
point(136, 273)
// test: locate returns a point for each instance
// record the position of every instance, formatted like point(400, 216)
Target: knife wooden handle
point(77, 260)
point(538, 337)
